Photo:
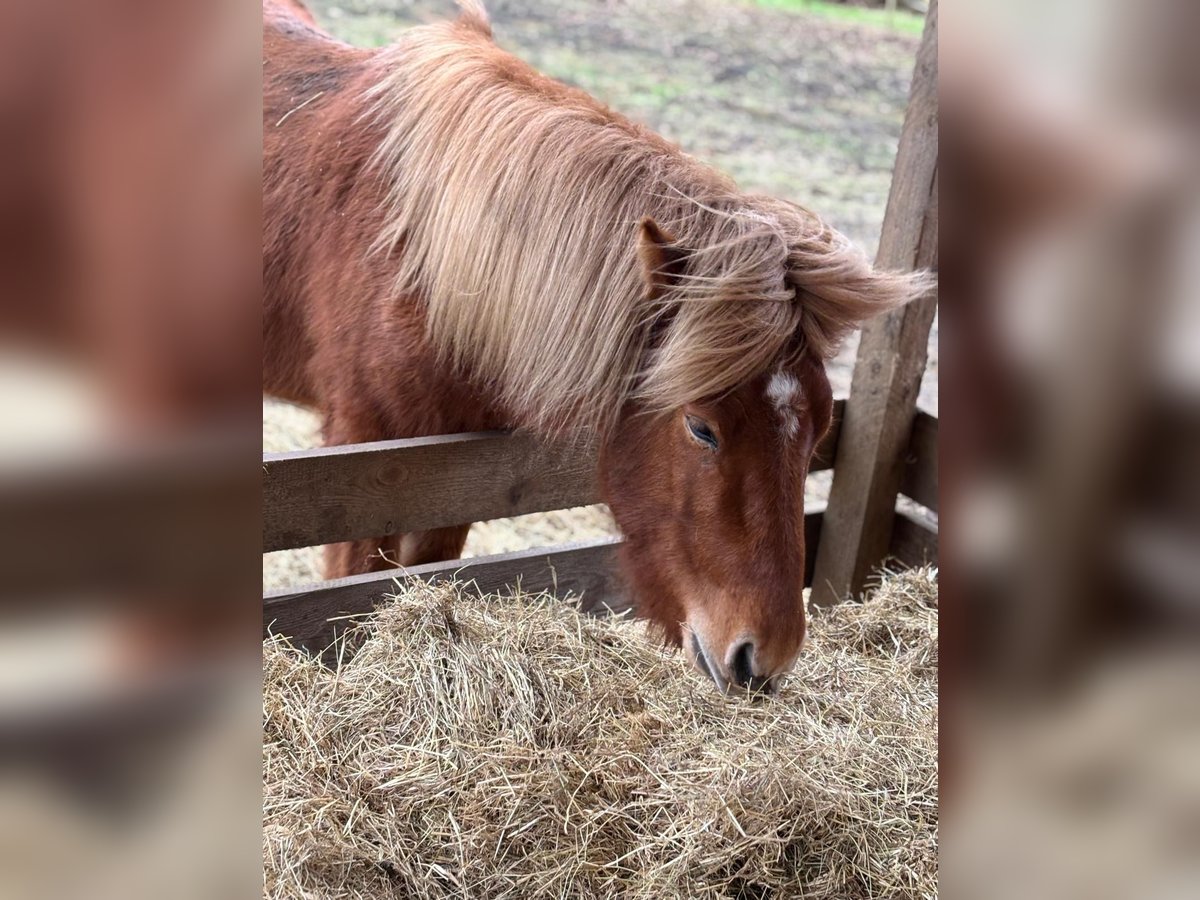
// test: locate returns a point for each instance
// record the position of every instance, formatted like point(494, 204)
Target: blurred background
point(800, 99)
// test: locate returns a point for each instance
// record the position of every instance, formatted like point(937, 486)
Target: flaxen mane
point(517, 201)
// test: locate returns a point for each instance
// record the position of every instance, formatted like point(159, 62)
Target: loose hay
point(514, 748)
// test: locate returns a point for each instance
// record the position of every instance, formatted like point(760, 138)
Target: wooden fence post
point(879, 414)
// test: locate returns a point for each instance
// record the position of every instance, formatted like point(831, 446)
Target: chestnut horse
point(454, 242)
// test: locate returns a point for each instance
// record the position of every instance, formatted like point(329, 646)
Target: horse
point(455, 242)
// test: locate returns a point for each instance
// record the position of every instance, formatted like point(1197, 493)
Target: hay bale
point(511, 747)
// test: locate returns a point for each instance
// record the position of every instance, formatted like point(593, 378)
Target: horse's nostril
point(741, 665)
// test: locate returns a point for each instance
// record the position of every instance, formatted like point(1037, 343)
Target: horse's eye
point(700, 430)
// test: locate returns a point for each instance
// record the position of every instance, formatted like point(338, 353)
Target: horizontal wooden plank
point(352, 491)
point(914, 539)
point(369, 490)
point(920, 479)
point(586, 569)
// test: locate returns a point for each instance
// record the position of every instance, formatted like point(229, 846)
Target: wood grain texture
point(586, 569)
point(914, 540)
point(352, 491)
point(877, 426)
point(369, 490)
point(920, 479)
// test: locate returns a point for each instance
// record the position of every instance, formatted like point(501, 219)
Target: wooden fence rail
point(353, 491)
point(322, 496)
point(586, 570)
point(370, 490)
point(308, 615)
point(920, 479)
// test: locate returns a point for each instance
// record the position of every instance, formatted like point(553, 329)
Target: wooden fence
point(354, 491)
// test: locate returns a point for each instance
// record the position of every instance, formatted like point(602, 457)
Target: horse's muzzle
point(734, 679)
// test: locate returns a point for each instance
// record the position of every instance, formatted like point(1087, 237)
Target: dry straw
point(509, 747)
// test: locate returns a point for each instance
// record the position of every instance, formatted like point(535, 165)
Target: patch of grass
point(734, 93)
point(618, 77)
point(361, 29)
point(901, 20)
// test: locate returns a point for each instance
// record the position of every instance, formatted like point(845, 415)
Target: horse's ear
point(662, 260)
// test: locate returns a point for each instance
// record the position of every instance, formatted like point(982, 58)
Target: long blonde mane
point(514, 212)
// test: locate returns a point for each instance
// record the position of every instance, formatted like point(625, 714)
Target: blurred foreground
point(129, 489)
point(1071, 522)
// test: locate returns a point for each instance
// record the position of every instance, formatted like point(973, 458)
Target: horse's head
point(710, 498)
point(710, 493)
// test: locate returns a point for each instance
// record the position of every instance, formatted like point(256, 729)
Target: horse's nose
point(750, 662)
point(744, 670)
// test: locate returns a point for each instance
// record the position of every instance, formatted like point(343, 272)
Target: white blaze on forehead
point(782, 390)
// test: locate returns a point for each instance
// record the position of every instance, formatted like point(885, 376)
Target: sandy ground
point(789, 103)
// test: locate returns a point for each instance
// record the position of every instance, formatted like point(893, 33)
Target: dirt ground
point(790, 103)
